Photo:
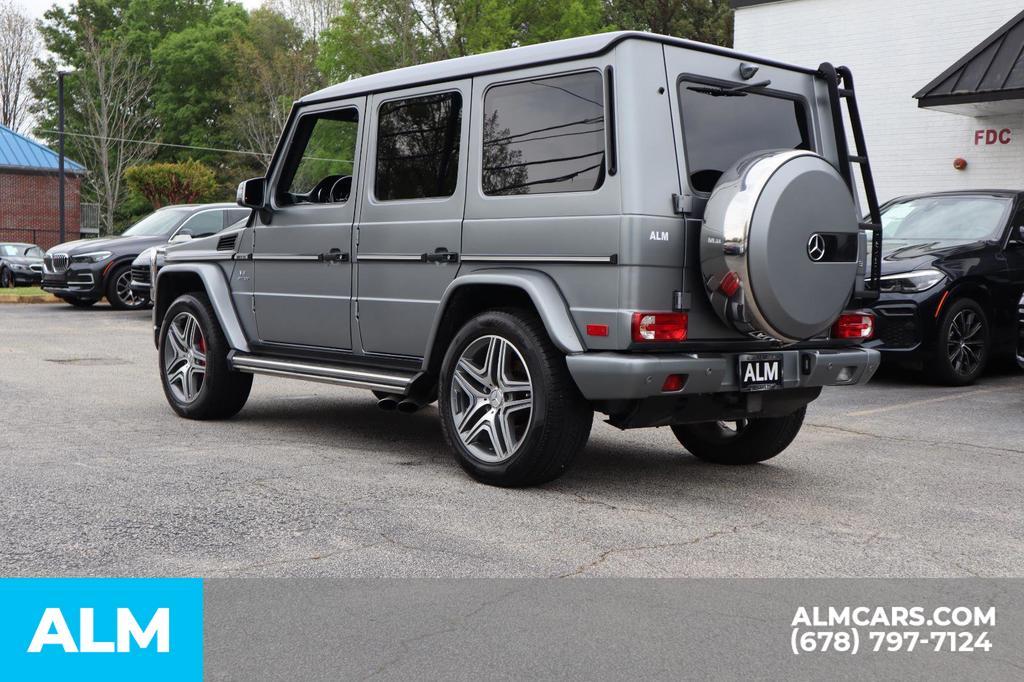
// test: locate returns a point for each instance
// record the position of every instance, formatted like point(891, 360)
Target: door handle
point(440, 255)
point(334, 256)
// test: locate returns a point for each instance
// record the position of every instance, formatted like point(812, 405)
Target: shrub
point(162, 184)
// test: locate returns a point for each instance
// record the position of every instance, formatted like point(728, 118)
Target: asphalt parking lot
point(100, 478)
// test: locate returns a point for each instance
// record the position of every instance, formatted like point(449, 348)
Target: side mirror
point(1020, 234)
point(251, 193)
point(180, 238)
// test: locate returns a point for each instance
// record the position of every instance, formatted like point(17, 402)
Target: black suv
point(952, 276)
point(82, 272)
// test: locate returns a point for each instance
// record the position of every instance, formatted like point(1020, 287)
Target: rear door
point(714, 130)
point(410, 227)
point(302, 248)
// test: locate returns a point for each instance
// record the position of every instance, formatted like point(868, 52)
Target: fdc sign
point(102, 629)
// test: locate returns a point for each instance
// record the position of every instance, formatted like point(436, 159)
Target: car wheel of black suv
point(509, 408)
point(961, 349)
point(79, 302)
point(6, 279)
point(747, 441)
point(119, 290)
point(194, 367)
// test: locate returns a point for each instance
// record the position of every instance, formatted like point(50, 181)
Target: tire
point(219, 393)
point(750, 442)
point(962, 346)
point(119, 290)
point(81, 302)
point(6, 279)
point(551, 420)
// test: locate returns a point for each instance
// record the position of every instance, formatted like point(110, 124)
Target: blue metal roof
point(17, 151)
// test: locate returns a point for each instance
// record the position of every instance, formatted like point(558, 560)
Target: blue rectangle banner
point(101, 628)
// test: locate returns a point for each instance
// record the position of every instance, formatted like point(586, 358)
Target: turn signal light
point(854, 325)
point(660, 326)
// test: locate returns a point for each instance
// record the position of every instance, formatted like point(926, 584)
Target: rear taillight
point(660, 326)
point(854, 325)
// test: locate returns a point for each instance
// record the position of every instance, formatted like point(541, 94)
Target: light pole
point(60, 150)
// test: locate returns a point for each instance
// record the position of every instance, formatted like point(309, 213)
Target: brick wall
point(29, 207)
point(894, 50)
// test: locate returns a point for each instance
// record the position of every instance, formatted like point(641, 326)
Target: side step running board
point(359, 377)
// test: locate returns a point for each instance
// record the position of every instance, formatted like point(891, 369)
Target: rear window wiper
point(735, 91)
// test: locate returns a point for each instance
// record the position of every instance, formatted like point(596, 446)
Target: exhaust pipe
point(408, 406)
point(388, 403)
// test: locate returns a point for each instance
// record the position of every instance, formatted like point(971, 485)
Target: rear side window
point(203, 224)
point(544, 135)
point(418, 147)
point(720, 129)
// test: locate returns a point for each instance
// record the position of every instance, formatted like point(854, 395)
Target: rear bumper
point(621, 376)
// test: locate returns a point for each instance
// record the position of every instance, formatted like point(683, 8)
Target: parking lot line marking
point(928, 401)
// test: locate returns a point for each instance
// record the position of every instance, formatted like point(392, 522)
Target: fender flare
point(543, 292)
point(217, 291)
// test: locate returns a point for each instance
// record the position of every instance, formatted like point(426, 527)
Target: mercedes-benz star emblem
point(816, 247)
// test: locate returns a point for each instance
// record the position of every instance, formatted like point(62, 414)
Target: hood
point(21, 260)
point(903, 255)
point(119, 246)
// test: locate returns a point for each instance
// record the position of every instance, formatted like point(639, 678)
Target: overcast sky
point(37, 7)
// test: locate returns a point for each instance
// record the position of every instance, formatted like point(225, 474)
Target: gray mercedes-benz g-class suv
point(659, 230)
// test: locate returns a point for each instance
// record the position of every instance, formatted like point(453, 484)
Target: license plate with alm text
point(760, 372)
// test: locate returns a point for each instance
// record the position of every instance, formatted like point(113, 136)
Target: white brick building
point(896, 48)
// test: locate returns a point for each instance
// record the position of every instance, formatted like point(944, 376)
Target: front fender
point(543, 292)
point(213, 281)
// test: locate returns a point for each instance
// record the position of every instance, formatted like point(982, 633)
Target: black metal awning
point(987, 81)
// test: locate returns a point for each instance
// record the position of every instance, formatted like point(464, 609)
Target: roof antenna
point(747, 71)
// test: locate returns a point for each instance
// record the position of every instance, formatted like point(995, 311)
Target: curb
point(14, 300)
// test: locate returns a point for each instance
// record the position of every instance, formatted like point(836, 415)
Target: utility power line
point(160, 144)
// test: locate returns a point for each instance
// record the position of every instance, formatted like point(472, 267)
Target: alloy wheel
point(965, 343)
point(491, 399)
point(123, 288)
point(185, 357)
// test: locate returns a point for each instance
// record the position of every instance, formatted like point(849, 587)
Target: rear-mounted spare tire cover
point(779, 246)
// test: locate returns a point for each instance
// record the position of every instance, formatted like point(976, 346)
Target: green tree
point(274, 65)
point(375, 35)
point(136, 25)
point(193, 72)
point(708, 21)
point(163, 184)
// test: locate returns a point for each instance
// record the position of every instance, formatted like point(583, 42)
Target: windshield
point(34, 252)
point(945, 218)
point(159, 224)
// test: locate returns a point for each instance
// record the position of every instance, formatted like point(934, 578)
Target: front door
point(302, 247)
point(410, 227)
